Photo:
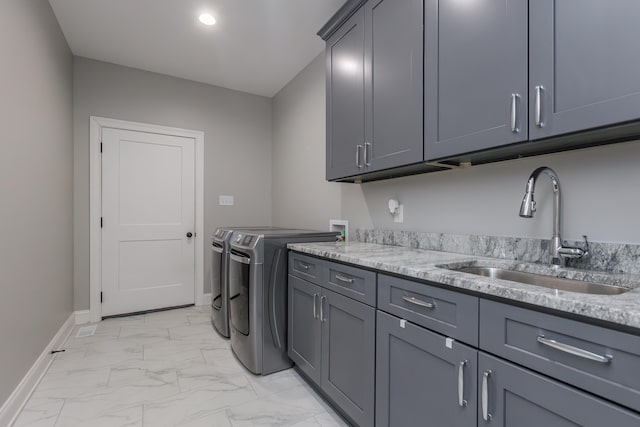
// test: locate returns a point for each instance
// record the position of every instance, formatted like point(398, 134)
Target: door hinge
point(101, 222)
point(100, 297)
point(101, 147)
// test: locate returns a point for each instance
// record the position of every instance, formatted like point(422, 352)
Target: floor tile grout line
point(109, 376)
point(64, 402)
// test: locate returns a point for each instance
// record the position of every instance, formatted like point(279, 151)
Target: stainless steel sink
point(551, 282)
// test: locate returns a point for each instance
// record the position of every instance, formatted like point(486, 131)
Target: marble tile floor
point(166, 369)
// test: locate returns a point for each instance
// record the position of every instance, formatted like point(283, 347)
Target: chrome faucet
point(558, 253)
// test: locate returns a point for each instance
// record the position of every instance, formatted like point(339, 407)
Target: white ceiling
point(257, 46)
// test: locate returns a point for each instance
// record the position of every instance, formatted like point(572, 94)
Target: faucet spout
point(557, 251)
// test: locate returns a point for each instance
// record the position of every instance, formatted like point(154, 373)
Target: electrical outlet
point(226, 200)
point(399, 216)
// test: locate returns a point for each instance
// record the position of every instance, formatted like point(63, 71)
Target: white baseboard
point(82, 317)
point(206, 299)
point(14, 404)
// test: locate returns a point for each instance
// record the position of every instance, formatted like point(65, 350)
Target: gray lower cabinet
point(306, 267)
point(447, 312)
point(396, 367)
point(584, 65)
point(422, 378)
point(332, 341)
point(475, 75)
point(593, 358)
point(511, 396)
point(348, 355)
point(304, 331)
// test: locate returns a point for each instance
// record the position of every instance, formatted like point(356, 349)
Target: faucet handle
point(574, 252)
point(585, 250)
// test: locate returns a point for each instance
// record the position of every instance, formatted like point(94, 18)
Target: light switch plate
point(226, 200)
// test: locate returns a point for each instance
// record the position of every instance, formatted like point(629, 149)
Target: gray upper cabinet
point(424, 85)
point(345, 98)
point(375, 89)
point(393, 83)
point(475, 75)
point(584, 65)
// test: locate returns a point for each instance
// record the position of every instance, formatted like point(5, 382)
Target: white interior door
point(148, 211)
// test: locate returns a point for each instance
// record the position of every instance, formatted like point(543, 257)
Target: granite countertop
point(622, 309)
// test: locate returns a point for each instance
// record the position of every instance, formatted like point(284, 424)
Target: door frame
point(96, 124)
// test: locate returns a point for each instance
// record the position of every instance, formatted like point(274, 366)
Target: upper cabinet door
point(345, 99)
point(475, 75)
point(584, 64)
point(393, 83)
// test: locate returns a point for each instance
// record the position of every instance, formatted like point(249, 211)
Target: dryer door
point(239, 286)
point(217, 259)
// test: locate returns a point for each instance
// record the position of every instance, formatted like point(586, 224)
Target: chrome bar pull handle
point(538, 106)
point(367, 153)
point(315, 314)
point(342, 278)
point(358, 148)
point(322, 299)
point(576, 351)
point(303, 265)
point(485, 396)
point(418, 302)
point(461, 400)
point(514, 112)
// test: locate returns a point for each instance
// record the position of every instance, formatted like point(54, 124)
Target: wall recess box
point(341, 226)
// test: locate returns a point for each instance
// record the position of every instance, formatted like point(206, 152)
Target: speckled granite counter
point(623, 309)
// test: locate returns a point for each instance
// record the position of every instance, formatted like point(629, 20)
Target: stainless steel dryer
point(219, 275)
point(258, 296)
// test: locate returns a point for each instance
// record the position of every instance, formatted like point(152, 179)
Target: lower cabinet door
point(304, 332)
point(423, 378)
point(348, 356)
point(516, 397)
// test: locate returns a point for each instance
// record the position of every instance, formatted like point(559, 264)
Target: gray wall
point(237, 130)
point(36, 153)
point(599, 184)
point(301, 196)
point(599, 187)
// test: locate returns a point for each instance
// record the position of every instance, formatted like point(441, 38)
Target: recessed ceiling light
point(207, 19)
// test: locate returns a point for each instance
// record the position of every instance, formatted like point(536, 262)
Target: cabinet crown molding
point(344, 13)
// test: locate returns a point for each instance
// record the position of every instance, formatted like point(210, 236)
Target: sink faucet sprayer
point(558, 252)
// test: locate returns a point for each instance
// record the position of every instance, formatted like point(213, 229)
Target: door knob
point(189, 234)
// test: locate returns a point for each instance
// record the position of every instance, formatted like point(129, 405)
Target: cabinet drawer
point(305, 267)
point(602, 361)
point(353, 282)
point(451, 313)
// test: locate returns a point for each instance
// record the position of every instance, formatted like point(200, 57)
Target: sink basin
point(551, 282)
